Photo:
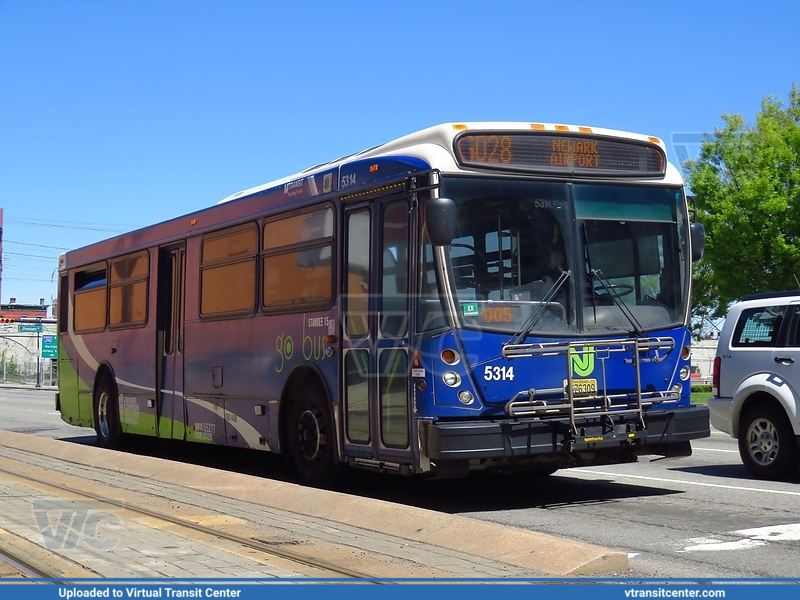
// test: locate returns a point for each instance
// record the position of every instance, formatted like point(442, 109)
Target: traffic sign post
point(38, 360)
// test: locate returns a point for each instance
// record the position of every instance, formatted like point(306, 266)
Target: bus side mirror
point(440, 217)
point(697, 233)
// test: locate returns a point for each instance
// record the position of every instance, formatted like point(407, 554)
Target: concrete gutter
point(545, 554)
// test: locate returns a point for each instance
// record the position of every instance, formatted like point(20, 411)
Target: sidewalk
point(425, 541)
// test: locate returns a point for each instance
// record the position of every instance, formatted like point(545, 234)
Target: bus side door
point(169, 360)
point(376, 331)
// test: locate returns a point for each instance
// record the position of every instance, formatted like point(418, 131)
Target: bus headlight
point(451, 378)
point(466, 397)
point(685, 372)
point(677, 389)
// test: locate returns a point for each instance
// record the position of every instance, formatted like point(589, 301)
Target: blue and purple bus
point(473, 296)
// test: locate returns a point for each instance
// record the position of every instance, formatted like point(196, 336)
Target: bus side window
point(394, 271)
point(297, 261)
point(63, 304)
point(358, 266)
point(430, 311)
point(90, 300)
point(228, 272)
point(128, 290)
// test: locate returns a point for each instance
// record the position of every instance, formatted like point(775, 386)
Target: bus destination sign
point(560, 154)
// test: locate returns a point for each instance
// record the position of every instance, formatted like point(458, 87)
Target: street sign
point(31, 328)
point(49, 346)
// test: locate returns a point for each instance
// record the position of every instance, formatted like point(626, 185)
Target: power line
point(62, 221)
point(24, 279)
point(29, 255)
point(111, 227)
point(37, 245)
point(66, 226)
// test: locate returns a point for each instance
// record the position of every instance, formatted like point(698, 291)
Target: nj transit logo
point(582, 361)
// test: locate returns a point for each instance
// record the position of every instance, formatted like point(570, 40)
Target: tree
point(11, 369)
point(746, 182)
point(704, 305)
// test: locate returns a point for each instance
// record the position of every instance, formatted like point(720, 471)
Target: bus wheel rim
point(309, 434)
point(102, 414)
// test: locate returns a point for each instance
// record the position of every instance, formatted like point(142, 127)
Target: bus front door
point(376, 333)
point(169, 359)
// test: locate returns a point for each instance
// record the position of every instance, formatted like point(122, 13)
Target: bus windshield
point(556, 258)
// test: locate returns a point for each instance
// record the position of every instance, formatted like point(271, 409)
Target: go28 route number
point(498, 373)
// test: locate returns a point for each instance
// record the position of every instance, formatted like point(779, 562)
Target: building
point(19, 312)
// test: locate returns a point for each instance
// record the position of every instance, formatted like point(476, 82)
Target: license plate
point(583, 387)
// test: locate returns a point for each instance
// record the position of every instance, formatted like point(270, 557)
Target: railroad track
point(323, 566)
point(16, 567)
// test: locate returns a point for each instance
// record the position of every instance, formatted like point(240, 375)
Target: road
point(696, 517)
point(32, 411)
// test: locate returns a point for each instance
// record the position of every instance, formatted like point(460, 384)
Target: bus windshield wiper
point(608, 288)
point(539, 311)
point(589, 264)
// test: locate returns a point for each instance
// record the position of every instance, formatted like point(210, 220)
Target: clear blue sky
point(119, 114)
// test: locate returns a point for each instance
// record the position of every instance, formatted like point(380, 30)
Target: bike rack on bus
point(533, 402)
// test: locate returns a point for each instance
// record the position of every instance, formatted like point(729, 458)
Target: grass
point(700, 397)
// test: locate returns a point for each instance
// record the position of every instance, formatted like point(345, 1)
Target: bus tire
point(106, 413)
point(767, 443)
point(312, 437)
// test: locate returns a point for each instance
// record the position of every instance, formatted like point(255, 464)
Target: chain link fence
point(28, 372)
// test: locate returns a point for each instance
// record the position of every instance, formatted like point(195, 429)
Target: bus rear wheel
point(106, 413)
point(312, 438)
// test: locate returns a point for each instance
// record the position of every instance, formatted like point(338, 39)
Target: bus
point(471, 297)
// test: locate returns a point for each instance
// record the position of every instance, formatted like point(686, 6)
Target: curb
point(33, 388)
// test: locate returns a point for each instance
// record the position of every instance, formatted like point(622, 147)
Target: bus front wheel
point(312, 439)
point(106, 413)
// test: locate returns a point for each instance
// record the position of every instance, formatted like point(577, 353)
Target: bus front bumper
point(667, 433)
